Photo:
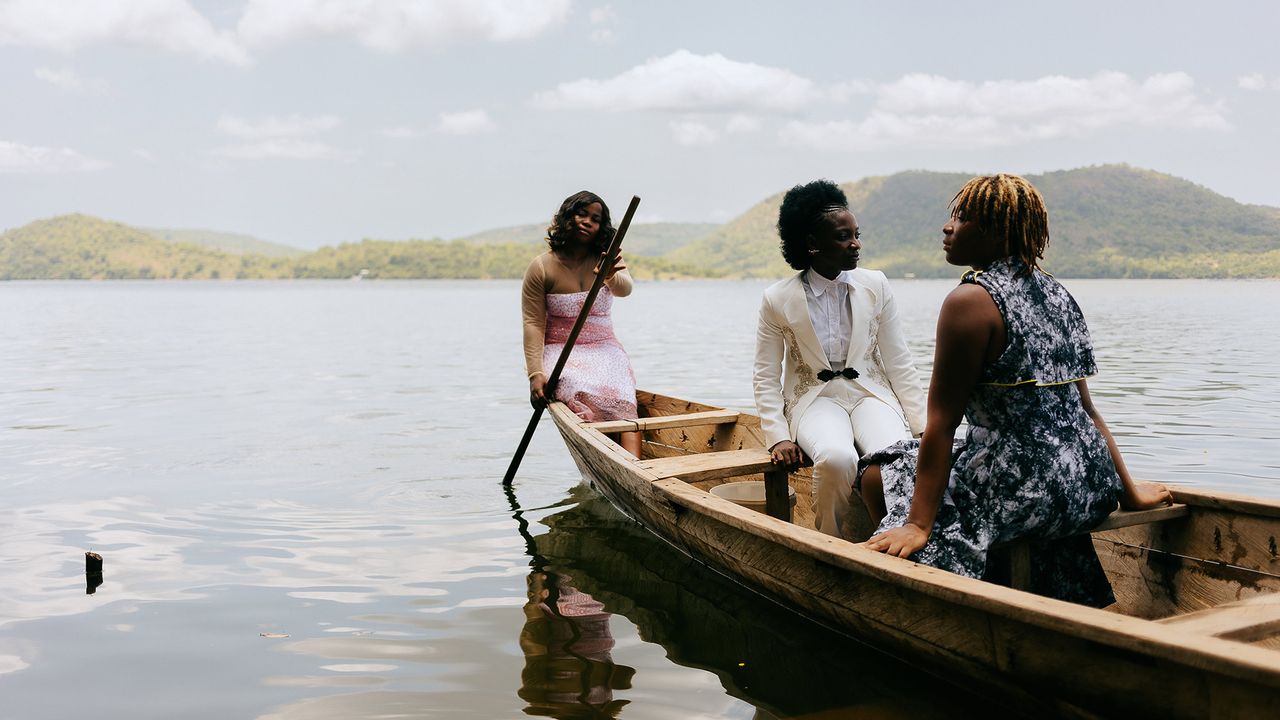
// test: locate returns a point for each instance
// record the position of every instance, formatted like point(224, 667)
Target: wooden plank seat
point(1126, 518)
point(726, 464)
point(1249, 620)
point(711, 465)
point(1013, 559)
point(659, 422)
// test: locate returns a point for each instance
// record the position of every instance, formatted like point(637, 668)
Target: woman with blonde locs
point(1037, 460)
point(597, 381)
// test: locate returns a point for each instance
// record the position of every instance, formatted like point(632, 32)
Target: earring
point(813, 251)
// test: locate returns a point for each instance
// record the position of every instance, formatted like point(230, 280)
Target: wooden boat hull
point(1041, 654)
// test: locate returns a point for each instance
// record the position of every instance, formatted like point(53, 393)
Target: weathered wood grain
point(1037, 652)
point(708, 417)
point(1248, 620)
point(711, 465)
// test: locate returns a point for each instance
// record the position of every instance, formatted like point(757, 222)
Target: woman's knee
point(839, 460)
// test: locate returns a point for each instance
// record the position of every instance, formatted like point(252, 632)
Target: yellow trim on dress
point(1037, 382)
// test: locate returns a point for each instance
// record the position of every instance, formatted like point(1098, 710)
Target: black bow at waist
point(829, 375)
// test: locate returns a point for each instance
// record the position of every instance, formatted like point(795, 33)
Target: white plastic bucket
point(748, 494)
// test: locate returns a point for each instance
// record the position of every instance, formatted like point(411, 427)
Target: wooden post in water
point(92, 572)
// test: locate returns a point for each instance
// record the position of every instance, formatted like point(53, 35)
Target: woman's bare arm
point(968, 324)
point(1135, 495)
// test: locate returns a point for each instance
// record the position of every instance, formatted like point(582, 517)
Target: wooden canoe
point(1195, 632)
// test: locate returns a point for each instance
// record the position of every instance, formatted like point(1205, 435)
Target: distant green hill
point(80, 247)
point(650, 239)
point(405, 259)
point(233, 243)
point(76, 247)
point(1109, 221)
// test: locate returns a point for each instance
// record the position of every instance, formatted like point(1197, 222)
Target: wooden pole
point(550, 388)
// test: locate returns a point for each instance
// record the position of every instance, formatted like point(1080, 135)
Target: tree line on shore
point(1105, 222)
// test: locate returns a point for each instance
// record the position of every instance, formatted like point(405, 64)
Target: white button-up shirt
point(830, 314)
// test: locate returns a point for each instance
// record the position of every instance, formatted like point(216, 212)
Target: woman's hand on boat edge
point(900, 541)
point(1145, 495)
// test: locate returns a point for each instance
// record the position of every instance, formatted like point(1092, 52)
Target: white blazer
point(789, 355)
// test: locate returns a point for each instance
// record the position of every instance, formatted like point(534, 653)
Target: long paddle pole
point(606, 264)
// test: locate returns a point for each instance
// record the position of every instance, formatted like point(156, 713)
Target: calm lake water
point(296, 490)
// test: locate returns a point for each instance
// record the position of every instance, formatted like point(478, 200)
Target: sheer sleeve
point(533, 309)
point(620, 284)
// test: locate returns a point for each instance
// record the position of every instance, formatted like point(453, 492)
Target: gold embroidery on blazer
point(875, 366)
point(805, 378)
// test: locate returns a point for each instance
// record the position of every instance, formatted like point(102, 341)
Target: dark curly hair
point(804, 207)
point(561, 227)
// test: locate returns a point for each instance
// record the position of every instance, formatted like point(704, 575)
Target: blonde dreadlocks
point(1011, 209)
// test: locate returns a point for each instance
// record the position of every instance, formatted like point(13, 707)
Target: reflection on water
point(783, 665)
point(294, 488)
point(568, 671)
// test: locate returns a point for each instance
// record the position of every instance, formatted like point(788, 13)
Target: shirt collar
point(819, 284)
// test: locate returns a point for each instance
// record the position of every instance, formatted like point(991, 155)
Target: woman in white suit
point(833, 376)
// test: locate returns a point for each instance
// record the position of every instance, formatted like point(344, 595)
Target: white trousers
point(844, 423)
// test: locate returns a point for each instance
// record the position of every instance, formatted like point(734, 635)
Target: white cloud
point(693, 132)
point(1256, 81)
point(470, 122)
point(63, 79)
point(274, 126)
point(683, 82)
point(145, 154)
point(401, 132)
point(67, 80)
point(29, 159)
point(917, 109)
point(936, 111)
point(12, 664)
point(280, 148)
point(391, 25)
point(603, 20)
point(742, 124)
point(68, 25)
point(850, 89)
point(278, 137)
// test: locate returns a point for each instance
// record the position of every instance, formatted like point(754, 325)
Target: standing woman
point(1037, 461)
point(833, 375)
point(597, 382)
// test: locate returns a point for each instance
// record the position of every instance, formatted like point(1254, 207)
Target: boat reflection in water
point(568, 671)
point(594, 562)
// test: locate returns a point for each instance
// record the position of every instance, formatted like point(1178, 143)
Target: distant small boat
point(1195, 632)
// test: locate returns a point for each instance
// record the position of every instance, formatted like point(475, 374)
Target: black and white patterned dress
point(1032, 464)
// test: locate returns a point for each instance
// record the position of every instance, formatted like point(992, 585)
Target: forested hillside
point(650, 239)
point(80, 247)
point(233, 243)
point(1109, 221)
point(440, 259)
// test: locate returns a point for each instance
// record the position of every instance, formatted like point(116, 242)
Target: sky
point(318, 122)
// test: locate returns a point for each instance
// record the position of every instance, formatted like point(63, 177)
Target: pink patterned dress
point(597, 382)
